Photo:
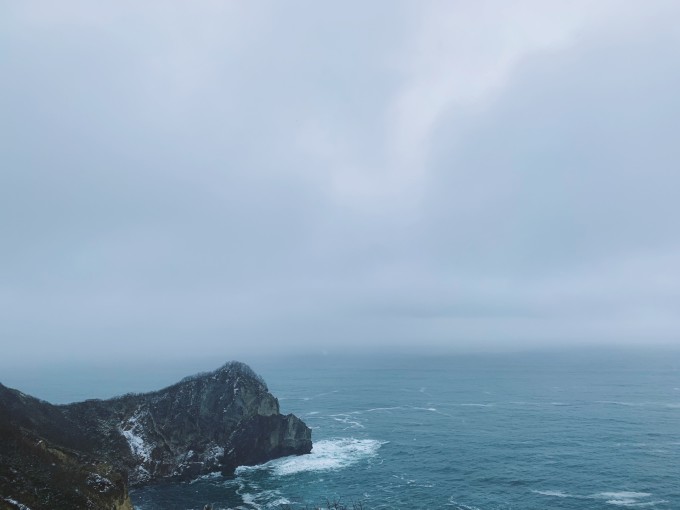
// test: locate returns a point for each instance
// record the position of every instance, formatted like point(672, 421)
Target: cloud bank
point(224, 177)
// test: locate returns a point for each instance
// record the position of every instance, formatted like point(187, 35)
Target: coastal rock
point(40, 469)
point(189, 428)
point(209, 422)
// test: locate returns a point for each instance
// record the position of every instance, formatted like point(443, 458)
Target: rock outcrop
point(87, 452)
point(42, 465)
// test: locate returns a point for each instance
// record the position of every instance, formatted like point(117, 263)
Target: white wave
point(631, 502)
point(209, 476)
point(343, 418)
point(264, 499)
point(556, 494)
point(623, 494)
point(278, 502)
point(628, 499)
point(373, 409)
point(618, 498)
point(395, 408)
point(326, 455)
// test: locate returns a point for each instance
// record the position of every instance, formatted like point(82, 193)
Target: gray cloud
point(233, 178)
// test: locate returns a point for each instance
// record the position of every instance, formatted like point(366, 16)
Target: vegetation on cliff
point(84, 455)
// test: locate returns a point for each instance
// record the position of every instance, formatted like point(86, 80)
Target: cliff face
point(209, 422)
point(39, 468)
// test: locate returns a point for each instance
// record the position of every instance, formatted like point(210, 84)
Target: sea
point(591, 429)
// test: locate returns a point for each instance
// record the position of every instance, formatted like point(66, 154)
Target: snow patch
point(14, 502)
point(215, 453)
point(133, 431)
point(99, 482)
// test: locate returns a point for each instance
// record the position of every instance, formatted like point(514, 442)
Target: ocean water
point(591, 430)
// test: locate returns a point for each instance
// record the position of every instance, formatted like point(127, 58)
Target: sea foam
point(326, 455)
point(629, 499)
point(618, 498)
point(556, 494)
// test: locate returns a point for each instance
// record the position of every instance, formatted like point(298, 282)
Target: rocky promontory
point(84, 455)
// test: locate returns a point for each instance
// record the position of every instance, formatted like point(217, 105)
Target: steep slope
point(39, 468)
point(209, 422)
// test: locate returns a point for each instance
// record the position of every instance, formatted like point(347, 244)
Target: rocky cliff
point(83, 455)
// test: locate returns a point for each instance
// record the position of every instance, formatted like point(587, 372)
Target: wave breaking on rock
point(210, 422)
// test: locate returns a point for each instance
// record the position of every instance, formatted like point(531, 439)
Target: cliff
point(83, 455)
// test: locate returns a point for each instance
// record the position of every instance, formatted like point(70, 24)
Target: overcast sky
point(233, 178)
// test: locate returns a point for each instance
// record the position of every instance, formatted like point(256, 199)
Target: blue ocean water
point(593, 430)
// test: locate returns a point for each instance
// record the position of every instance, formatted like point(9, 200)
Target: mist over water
point(560, 430)
point(186, 183)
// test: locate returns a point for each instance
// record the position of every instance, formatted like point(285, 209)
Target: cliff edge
point(85, 454)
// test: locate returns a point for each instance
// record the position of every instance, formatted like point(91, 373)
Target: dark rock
point(87, 451)
point(262, 438)
point(36, 472)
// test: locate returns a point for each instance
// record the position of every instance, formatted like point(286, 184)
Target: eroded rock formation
point(89, 451)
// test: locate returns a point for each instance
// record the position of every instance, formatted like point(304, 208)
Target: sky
point(239, 178)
